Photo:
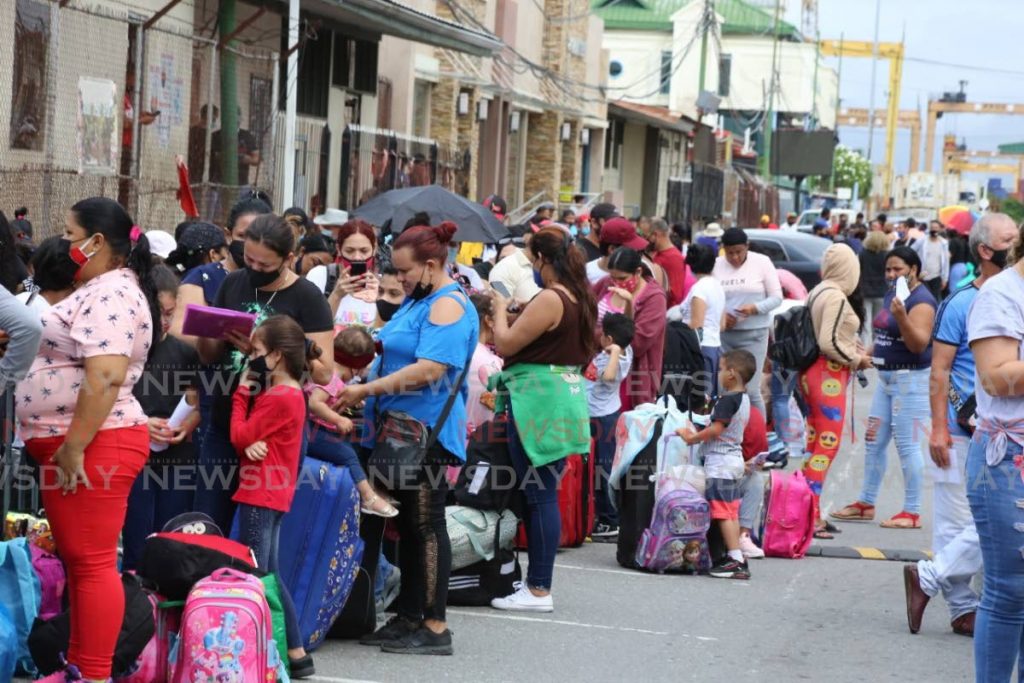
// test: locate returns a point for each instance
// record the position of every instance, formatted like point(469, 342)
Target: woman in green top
point(546, 402)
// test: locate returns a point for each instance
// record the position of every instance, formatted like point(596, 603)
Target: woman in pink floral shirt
point(81, 422)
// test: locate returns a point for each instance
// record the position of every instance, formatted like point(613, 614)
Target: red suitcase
point(575, 502)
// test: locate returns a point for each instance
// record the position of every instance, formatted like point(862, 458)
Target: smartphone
point(357, 268)
point(902, 289)
point(501, 289)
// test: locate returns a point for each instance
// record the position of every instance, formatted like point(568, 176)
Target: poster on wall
point(29, 83)
point(165, 94)
point(97, 126)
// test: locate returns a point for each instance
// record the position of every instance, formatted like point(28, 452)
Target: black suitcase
point(635, 499)
point(359, 616)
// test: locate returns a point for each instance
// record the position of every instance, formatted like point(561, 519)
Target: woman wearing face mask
point(208, 259)
point(631, 289)
point(541, 387)
point(903, 355)
point(266, 286)
point(752, 292)
point(425, 348)
point(933, 251)
point(78, 417)
point(353, 300)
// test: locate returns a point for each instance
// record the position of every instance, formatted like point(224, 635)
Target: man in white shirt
point(516, 273)
point(934, 253)
point(790, 224)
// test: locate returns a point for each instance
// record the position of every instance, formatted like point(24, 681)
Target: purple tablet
point(215, 323)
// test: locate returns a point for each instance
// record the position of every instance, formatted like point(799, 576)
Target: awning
point(658, 117)
point(388, 17)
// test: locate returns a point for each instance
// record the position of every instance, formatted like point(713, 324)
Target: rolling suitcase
point(575, 503)
point(635, 500)
point(320, 548)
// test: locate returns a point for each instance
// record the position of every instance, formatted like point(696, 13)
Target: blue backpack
point(19, 595)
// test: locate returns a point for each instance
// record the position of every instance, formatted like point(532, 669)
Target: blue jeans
point(996, 495)
point(783, 386)
point(259, 528)
point(216, 477)
point(330, 446)
point(711, 354)
point(900, 408)
point(543, 519)
point(602, 431)
point(160, 493)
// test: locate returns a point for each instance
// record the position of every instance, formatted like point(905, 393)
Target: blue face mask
point(585, 230)
point(573, 230)
point(537, 279)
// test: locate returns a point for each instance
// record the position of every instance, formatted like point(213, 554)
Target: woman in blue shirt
point(902, 355)
point(425, 346)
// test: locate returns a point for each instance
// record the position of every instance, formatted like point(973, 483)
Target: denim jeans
point(789, 428)
point(330, 446)
point(216, 477)
point(543, 519)
point(900, 406)
point(712, 354)
point(259, 528)
point(996, 495)
point(160, 493)
point(872, 305)
point(602, 431)
point(954, 539)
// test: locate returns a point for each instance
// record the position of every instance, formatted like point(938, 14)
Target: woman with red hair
point(353, 299)
point(426, 345)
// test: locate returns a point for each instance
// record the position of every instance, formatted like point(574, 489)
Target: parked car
point(797, 252)
point(807, 218)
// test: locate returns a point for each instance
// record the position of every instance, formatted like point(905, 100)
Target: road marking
point(560, 622)
point(331, 679)
point(602, 570)
point(870, 553)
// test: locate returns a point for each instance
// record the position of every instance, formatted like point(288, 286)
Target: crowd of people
point(359, 324)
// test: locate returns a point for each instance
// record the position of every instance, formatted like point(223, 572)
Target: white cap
point(332, 217)
point(713, 230)
point(160, 243)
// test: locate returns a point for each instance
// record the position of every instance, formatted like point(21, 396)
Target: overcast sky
point(982, 33)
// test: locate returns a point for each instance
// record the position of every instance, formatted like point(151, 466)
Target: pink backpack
point(152, 665)
point(52, 581)
point(226, 633)
point(788, 524)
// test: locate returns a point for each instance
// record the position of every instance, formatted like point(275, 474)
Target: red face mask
point(630, 284)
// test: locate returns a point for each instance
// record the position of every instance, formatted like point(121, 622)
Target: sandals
point(903, 520)
point(826, 531)
point(855, 512)
point(387, 513)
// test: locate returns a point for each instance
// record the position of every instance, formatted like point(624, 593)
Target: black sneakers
point(728, 568)
point(603, 530)
point(422, 641)
point(301, 668)
point(396, 628)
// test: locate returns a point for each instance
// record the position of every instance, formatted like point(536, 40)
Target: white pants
point(954, 539)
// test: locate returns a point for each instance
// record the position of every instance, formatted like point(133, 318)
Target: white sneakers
point(524, 601)
point(749, 549)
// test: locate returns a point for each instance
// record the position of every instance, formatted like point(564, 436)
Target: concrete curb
point(853, 553)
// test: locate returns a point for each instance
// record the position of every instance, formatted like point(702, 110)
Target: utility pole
point(228, 98)
point(839, 100)
point(291, 84)
point(769, 119)
point(874, 73)
point(705, 25)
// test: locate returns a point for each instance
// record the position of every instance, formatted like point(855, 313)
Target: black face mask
point(261, 278)
point(1000, 257)
point(237, 249)
point(421, 290)
point(386, 310)
point(258, 371)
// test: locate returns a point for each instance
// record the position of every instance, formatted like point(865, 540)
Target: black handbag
point(403, 441)
point(966, 410)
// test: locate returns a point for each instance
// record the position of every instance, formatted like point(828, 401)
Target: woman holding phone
point(353, 300)
point(900, 408)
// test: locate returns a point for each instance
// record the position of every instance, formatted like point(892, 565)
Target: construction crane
point(961, 165)
point(907, 118)
point(894, 53)
point(936, 108)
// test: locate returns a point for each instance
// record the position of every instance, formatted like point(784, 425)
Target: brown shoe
point(917, 599)
point(963, 625)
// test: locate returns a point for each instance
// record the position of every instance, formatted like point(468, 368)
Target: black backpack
point(487, 481)
point(481, 582)
point(682, 367)
point(795, 345)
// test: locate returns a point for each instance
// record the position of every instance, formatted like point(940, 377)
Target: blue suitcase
point(320, 550)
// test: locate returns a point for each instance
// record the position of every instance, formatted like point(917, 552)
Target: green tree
point(1013, 208)
point(850, 168)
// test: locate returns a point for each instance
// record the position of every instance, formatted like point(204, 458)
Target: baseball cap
point(202, 236)
point(621, 232)
point(603, 211)
point(332, 217)
point(196, 523)
point(160, 243)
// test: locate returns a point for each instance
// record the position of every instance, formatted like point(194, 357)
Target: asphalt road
point(816, 619)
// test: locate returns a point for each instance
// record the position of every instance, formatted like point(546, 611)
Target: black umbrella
point(476, 222)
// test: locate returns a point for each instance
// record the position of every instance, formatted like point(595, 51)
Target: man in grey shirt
point(20, 331)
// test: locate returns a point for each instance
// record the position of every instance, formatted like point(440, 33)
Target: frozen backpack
point(788, 523)
point(677, 540)
point(226, 633)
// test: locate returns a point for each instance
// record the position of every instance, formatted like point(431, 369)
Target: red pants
point(86, 525)
point(824, 387)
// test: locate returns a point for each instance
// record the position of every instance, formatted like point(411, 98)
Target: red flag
point(184, 193)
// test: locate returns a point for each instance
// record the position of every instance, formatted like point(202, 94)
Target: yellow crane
point(907, 118)
point(894, 53)
point(937, 108)
point(962, 165)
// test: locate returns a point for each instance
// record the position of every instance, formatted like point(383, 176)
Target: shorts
point(724, 497)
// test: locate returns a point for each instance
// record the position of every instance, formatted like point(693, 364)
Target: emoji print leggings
point(824, 389)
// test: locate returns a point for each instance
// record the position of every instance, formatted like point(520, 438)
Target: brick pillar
point(469, 139)
point(443, 126)
point(543, 155)
point(571, 157)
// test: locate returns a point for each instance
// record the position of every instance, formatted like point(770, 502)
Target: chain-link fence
point(101, 104)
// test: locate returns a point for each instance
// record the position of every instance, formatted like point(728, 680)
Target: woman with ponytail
point(81, 422)
point(426, 345)
point(542, 390)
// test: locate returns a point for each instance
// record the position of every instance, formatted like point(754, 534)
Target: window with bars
point(665, 84)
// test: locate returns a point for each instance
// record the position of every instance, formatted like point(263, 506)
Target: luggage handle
point(227, 573)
